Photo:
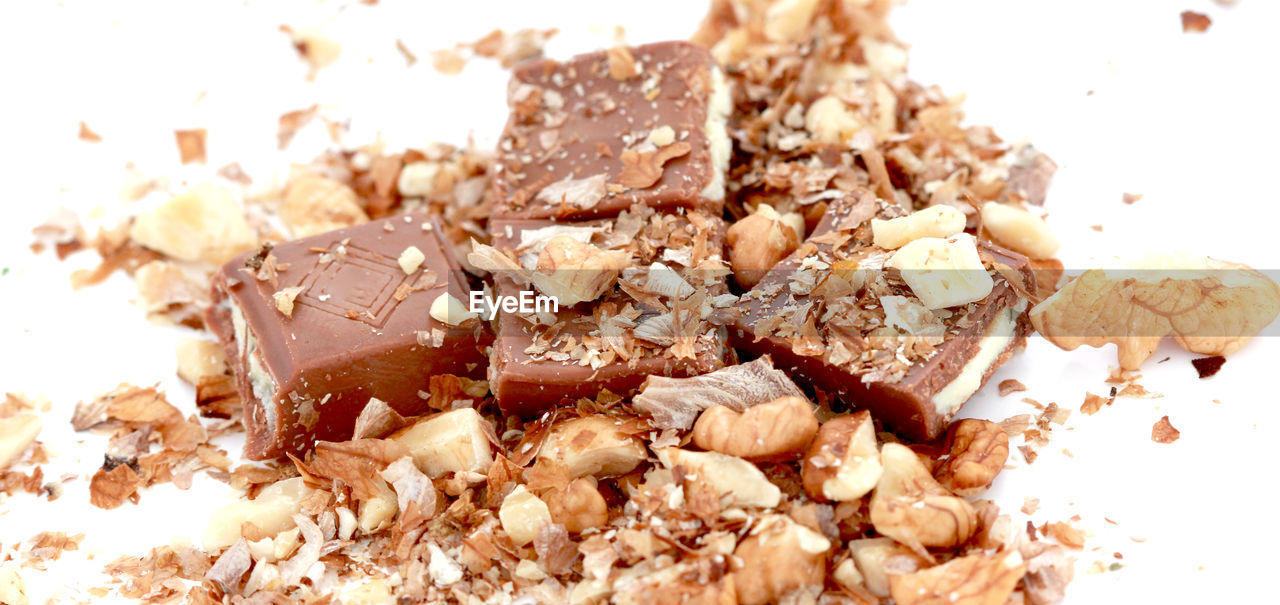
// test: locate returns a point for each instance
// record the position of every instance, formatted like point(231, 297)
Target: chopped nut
point(736, 481)
point(775, 430)
point(376, 513)
point(621, 64)
point(523, 515)
point(788, 20)
point(449, 442)
point(662, 136)
point(980, 579)
point(447, 309)
point(843, 463)
point(757, 243)
point(417, 179)
point(943, 272)
point(271, 513)
point(674, 403)
point(13, 590)
point(200, 360)
point(831, 121)
point(593, 445)
point(1193, 22)
point(879, 558)
point(1020, 230)
point(579, 506)
point(573, 271)
point(191, 145)
point(909, 506)
point(1010, 385)
point(978, 451)
point(1210, 307)
point(1208, 366)
point(284, 299)
point(779, 557)
point(16, 434)
point(411, 259)
point(643, 169)
point(205, 223)
point(314, 204)
point(935, 221)
point(1161, 432)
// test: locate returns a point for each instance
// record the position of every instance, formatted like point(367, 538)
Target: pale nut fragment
point(411, 259)
point(979, 579)
point(449, 442)
point(779, 556)
point(775, 430)
point(579, 506)
point(417, 179)
point(935, 221)
point(911, 507)
point(1210, 307)
point(376, 513)
point(204, 223)
point(573, 271)
point(879, 558)
point(757, 243)
point(448, 310)
point(13, 589)
point(830, 120)
point(736, 481)
point(978, 450)
point(315, 204)
point(17, 432)
point(788, 20)
point(1020, 230)
point(943, 272)
point(271, 512)
point(592, 445)
point(843, 463)
point(522, 514)
point(200, 360)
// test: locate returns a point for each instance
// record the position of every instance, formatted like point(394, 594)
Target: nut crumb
point(411, 259)
point(1010, 386)
point(1130, 198)
point(1193, 22)
point(1208, 366)
point(88, 135)
point(1163, 432)
point(284, 299)
point(191, 145)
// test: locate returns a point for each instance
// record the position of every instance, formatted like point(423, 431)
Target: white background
point(1189, 121)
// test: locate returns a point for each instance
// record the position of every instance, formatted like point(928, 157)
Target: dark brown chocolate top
point(592, 136)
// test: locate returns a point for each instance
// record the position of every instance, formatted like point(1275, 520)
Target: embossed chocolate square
point(592, 136)
point(315, 327)
point(885, 329)
point(637, 295)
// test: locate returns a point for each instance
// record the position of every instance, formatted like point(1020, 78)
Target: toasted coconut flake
point(577, 193)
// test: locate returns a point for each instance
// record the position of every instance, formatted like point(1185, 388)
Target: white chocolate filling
point(719, 106)
point(998, 338)
point(264, 389)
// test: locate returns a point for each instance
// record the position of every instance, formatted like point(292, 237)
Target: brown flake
point(109, 489)
point(642, 169)
point(88, 135)
point(1163, 432)
point(1208, 366)
point(1130, 198)
point(377, 419)
point(409, 58)
point(448, 61)
point(234, 173)
point(1093, 403)
point(1193, 22)
point(1010, 386)
point(1065, 534)
point(293, 121)
point(621, 64)
point(191, 145)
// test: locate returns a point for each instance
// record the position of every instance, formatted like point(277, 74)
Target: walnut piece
point(573, 271)
point(642, 169)
point(579, 506)
point(449, 442)
point(621, 64)
point(522, 515)
point(775, 430)
point(1161, 432)
point(674, 403)
point(779, 557)
point(315, 204)
point(843, 464)
point(757, 243)
point(788, 20)
point(978, 451)
point(1210, 307)
point(879, 558)
point(911, 507)
point(981, 579)
point(736, 481)
point(204, 223)
point(935, 221)
point(13, 589)
point(592, 445)
point(271, 512)
point(17, 432)
point(830, 120)
point(447, 309)
point(943, 272)
point(1020, 230)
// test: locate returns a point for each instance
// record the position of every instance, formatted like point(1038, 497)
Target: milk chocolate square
point(821, 314)
point(603, 131)
point(358, 325)
point(673, 261)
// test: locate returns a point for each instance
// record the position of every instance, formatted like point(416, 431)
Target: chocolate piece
point(594, 135)
point(628, 333)
point(1208, 366)
point(359, 327)
point(814, 319)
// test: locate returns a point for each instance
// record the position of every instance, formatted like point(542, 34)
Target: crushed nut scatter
point(1163, 432)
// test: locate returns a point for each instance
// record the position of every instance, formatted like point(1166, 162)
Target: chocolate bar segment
point(837, 319)
point(655, 319)
point(316, 327)
point(596, 134)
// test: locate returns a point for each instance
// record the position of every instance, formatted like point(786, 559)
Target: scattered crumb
point(284, 299)
point(1096, 227)
point(191, 145)
point(1208, 366)
point(1130, 198)
point(1033, 403)
point(1010, 386)
point(1093, 403)
point(293, 121)
point(88, 135)
point(1030, 505)
point(234, 173)
point(1193, 22)
point(1163, 432)
point(448, 61)
point(409, 58)
point(1066, 535)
